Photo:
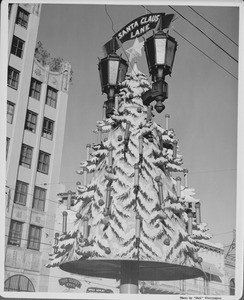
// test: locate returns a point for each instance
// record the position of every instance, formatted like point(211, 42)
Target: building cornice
point(211, 247)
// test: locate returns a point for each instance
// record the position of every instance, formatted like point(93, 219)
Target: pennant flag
point(111, 46)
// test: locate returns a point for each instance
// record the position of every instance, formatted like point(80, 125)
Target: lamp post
point(112, 70)
point(160, 51)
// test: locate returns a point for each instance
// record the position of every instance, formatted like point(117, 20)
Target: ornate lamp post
point(112, 70)
point(160, 51)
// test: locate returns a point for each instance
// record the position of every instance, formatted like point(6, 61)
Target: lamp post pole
point(129, 277)
point(160, 51)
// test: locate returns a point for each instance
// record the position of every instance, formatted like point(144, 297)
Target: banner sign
point(70, 282)
point(141, 25)
point(98, 290)
point(137, 28)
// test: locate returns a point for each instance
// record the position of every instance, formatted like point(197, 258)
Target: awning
point(158, 290)
point(212, 272)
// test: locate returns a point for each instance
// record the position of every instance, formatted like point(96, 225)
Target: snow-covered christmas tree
point(133, 209)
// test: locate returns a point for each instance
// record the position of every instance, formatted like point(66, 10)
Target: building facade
point(219, 276)
point(36, 111)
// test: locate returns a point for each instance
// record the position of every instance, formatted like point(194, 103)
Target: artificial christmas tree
point(134, 219)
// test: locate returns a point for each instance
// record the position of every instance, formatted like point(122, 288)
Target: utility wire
point(204, 34)
point(205, 54)
point(122, 45)
point(184, 39)
point(52, 183)
point(45, 227)
point(197, 47)
point(46, 199)
point(221, 233)
point(105, 6)
point(60, 231)
point(191, 172)
point(40, 243)
point(213, 25)
point(146, 8)
point(228, 245)
point(212, 171)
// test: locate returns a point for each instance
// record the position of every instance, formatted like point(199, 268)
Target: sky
point(202, 103)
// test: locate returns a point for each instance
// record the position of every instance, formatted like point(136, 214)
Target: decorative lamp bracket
point(159, 92)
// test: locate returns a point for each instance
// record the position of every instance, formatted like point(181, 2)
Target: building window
point(9, 9)
point(21, 192)
point(17, 46)
point(31, 121)
point(22, 17)
point(47, 130)
point(43, 162)
point(7, 146)
point(26, 156)
point(13, 78)
point(18, 283)
point(35, 89)
point(232, 286)
point(10, 112)
point(15, 233)
point(34, 239)
point(39, 198)
point(51, 98)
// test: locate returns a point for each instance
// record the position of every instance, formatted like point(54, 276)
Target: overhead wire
point(14, 189)
point(205, 54)
point(51, 244)
point(146, 8)
point(191, 172)
point(213, 25)
point(54, 229)
point(112, 23)
point(59, 203)
point(205, 35)
point(196, 46)
point(59, 231)
point(40, 243)
point(52, 183)
point(122, 45)
point(228, 245)
point(184, 39)
point(46, 228)
point(74, 211)
point(212, 171)
point(221, 233)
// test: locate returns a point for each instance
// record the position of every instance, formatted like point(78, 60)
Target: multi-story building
point(229, 268)
point(36, 112)
point(219, 278)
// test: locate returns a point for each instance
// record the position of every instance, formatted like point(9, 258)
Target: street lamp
point(160, 51)
point(112, 70)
